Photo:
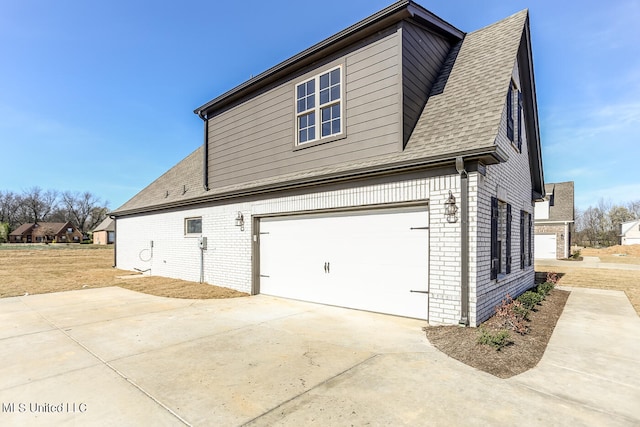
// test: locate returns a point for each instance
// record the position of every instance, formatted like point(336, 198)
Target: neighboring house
point(630, 233)
point(391, 167)
point(555, 222)
point(105, 232)
point(46, 232)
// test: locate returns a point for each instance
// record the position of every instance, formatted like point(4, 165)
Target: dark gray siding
point(423, 55)
point(255, 139)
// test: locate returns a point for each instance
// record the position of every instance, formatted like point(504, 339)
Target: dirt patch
point(58, 268)
point(522, 354)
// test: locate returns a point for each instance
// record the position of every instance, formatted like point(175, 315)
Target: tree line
point(83, 209)
point(600, 225)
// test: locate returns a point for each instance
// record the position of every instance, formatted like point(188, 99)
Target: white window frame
point(317, 108)
point(186, 226)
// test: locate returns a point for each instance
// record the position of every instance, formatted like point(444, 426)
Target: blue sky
point(99, 96)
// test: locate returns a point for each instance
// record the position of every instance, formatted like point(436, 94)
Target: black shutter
point(510, 114)
point(508, 245)
point(519, 121)
point(522, 236)
point(494, 238)
point(530, 234)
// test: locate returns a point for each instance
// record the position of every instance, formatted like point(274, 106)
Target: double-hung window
point(319, 107)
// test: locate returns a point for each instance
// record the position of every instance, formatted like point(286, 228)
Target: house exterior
point(630, 233)
point(105, 232)
point(46, 232)
point(555, 221)
point(391, 167)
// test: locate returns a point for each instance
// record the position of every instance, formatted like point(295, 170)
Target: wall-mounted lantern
point(450, 208)
point(240, 221)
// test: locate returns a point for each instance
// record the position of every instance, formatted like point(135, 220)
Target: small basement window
point(193, 226)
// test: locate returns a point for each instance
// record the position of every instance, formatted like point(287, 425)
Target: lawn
point(37, 269)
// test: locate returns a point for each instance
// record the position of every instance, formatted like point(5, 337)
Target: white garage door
point(374, 260)
point(631, 241)
point(545, 246)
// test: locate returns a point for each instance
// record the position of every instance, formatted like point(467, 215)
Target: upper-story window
point(319, 106)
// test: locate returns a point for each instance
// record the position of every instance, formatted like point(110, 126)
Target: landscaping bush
point(496, 340)
point(552, 277)
point(530, 299)
point(544, 288)
point(513, 315)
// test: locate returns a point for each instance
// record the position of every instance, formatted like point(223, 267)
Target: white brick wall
point(227, 261)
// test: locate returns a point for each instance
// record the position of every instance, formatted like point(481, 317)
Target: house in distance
point(392, 167)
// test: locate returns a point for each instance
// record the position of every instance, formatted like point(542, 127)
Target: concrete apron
point(115, 357)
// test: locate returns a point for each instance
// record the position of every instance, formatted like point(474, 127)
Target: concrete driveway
point(114, 357)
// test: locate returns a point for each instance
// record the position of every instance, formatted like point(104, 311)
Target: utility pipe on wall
point(464, 238)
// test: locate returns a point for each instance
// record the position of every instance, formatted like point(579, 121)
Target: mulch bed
point(522, 354)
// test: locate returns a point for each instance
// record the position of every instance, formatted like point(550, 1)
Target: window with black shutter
point(510, 114)
point(519, 121)
point(523, 238)
point(508, 256)
point(494, 238)
point(530, 250)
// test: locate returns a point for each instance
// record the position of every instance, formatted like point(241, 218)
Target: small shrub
point(576, 254)
point(544, 288)
point(530, 299)
point(552, 277)
point(513, 315)
point(497, 340)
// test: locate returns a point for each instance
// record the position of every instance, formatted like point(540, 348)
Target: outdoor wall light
point(450, 208)
point(240, 221)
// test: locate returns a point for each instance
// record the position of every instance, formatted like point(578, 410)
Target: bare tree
point(85, 210)
point(38, 204)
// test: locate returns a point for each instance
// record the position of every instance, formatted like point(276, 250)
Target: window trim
point(186, 226)
point(317, 109)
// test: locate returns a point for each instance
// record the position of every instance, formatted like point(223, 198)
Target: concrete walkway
point(115, 357)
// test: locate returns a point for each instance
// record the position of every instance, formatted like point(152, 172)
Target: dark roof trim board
point(383, 19)
point(525, 60)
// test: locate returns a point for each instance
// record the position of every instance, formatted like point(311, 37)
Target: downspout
point(464, 238)
point(205, 154)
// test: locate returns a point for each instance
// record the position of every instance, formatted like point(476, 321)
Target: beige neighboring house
point(554, 222)
point(105, 232)
point(630, 233)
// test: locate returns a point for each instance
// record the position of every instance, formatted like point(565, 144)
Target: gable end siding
point(423, 54)
point(256, 139)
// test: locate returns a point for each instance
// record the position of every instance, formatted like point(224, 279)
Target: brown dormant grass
point(56, 268)
point(628, 281)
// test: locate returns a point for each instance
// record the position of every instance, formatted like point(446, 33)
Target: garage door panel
point(545, 246)
point(374, 260)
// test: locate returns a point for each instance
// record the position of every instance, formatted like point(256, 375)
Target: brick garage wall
point(227, 260)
